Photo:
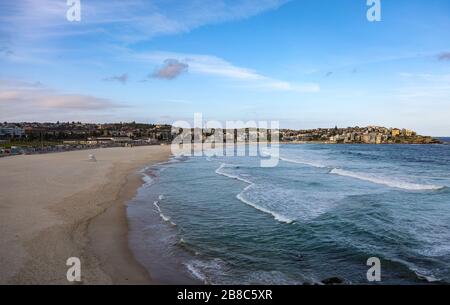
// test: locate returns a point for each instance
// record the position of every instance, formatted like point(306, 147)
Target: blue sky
point(306, 63)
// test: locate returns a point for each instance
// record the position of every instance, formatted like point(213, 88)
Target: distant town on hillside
point(43, 137)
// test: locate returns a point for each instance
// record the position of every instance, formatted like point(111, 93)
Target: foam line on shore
point(159, 211)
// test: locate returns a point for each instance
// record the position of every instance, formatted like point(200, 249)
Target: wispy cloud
point(6, 51)
point(171, 69)
point(214, 66)
point(423, 90)
point(124, 21)
point(22, 99)
point(120, 78)
point(445, 56)
point(427, 77)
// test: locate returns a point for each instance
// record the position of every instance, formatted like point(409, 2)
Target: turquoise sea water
point(321, 213)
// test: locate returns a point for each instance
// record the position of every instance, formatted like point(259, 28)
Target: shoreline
point(57, 206)
point(108, 238)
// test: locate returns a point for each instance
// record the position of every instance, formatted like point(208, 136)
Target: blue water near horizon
point(321, 213)
point(444, 139)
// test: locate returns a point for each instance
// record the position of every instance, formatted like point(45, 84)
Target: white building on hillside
point(11, 132)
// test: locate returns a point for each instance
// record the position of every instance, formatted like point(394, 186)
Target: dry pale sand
point(56, 206)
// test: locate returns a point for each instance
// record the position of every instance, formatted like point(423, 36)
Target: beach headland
point(56, 206)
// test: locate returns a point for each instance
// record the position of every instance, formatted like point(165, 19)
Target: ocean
point(321, 213)
point(444, 139)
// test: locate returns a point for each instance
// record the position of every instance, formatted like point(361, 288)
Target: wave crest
point(303, 162)
point(240, 196)
point(386, 181)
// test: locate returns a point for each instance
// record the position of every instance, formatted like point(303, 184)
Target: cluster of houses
point(11, 131)
point(30, 138)
point(364, 135)
point(82, 131)
point(54, 137)
point(349, 135)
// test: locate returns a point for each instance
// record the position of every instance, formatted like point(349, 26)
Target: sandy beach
point(56, 206)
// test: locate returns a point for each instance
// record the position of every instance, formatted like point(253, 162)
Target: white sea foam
point(147, 179)
point(161, 197)
point(275, 215)
point(142, 171)
point(427, 278)
point(269, 278)
point(421, 274)
point(386, 181)
point(205, 270)
point(266, 153)
point(220, 172)
point(195, 272)
point(164, 217)
point(173, 159)
point(304, 162)
point(181, 157)
point(240, 196)
point(157, 206)
point(167, 219)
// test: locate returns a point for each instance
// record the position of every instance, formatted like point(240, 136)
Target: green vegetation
point(25, 143)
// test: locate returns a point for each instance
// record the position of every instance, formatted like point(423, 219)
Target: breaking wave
point(386, 181)
point(304, 162)
point(265, 153)
point(241, 198)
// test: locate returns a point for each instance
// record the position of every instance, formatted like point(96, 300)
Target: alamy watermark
point(374, 272)
point(74, 10)
point(74, 272)
point(214, 139)
point(374, 11)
